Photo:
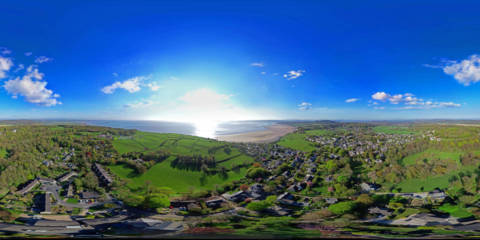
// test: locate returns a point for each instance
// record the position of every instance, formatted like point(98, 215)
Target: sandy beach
point(271, 134)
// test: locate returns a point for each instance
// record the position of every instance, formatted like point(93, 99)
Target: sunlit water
point(201, 129)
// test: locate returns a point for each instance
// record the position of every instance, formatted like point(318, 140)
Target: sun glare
point(205, 128)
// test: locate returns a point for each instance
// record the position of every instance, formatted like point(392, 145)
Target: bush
point(365, 200)
point(256, 172)
point(156, 200)
point(342, 207)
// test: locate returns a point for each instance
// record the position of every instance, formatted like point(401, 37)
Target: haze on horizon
point(244, 60)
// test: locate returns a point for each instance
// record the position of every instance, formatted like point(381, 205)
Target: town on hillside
point(324, 180)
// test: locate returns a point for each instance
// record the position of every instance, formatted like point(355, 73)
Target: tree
point(365, 200)
point(342, 207)
point(259, 206)
point(256, 172)
point(244, 187)
point(156, 200)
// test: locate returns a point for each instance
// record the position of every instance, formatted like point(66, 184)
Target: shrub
point(156, 200)
point(256, 172)
point(342, 207)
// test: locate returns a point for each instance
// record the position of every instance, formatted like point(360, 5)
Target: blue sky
point(239, 60)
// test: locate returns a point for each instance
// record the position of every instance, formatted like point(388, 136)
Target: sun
point(206, 128)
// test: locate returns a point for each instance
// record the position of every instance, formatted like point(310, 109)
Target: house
point(236, 197)
point(329, 179)
point(331, 200)
point(368, 187)
point(437, 195)
point(257, 192)
point(28, 187)
point(279, 211)
point(67, 176)
point(297, 187)
point(102, 174)
point(166, 227)
point(181, 203)
point(56, 223)
point(308, 178)
point(103, 221)
point(89, 197)
point(43, 180)
point(142, 222)
point(214, 202)
point(380, 212)
point(285, 196)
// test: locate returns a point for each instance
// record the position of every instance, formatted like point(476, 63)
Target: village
point(292, 183)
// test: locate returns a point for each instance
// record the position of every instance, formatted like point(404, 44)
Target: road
point(54, 189)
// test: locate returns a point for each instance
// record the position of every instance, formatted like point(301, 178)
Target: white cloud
point(20, 67)
point(304, 106)
point(257, 64)
point(43, 59)
point(131, 85)
point(5, 65)
point(351, 100)
point(32, 88)
point(140, 104)
point(290, 75)
point(154, 86)
point(466, 71)
point(410, 101)
point(381, 96)
point(115, 74)
point(28, 54)
point(395, 99)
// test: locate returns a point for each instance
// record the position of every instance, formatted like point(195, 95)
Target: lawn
point(431, 182)
point(181, 181)
point(431, 154)
point(177, 144)
point(298, 141)
point(72, 200)
point(455, 210)
point(394, 130)
point(425, 184)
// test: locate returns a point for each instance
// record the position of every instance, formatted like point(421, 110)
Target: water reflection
point(205, 129)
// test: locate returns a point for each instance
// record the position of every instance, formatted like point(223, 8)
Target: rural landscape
point(240, 119)
point(326, 179)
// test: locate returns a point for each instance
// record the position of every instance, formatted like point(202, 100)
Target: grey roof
point(103, 174)
point(47, 207)
point(67, 176)
point(29, 187)
point(52, 223)
point(86, 195)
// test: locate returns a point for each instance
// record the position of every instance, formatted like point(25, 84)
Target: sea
point(211, 130)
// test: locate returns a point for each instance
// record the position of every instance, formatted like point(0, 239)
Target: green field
point(431, 182)
point(455, 210)
point(429, 155)
point(163, 175)
point(298, 140)
point(394, 130)
point(177, 144)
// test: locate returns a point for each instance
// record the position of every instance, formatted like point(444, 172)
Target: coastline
point(271, 134)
